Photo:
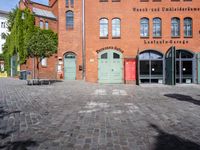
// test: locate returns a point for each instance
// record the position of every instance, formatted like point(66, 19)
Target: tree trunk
point(38, 67)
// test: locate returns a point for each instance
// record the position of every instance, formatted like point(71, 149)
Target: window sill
point(157, 37)
point(116, 37)
point(44, 66)
point(188, 37)
point(174, 37)
point(70, 28)
point(103, 37)
point(144, 37)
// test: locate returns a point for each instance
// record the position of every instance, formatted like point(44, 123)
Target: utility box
point(130, 70)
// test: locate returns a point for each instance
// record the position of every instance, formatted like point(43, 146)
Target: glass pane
point(144, 68)
point(70, 56)
point(116, 56)
point(104, 56)
point(155, 55)
point(157, 68)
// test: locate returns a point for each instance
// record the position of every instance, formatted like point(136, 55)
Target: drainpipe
point(83, 39)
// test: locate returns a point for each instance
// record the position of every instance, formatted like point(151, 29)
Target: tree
point(42, 44)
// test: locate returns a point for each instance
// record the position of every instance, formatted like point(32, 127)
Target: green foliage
point(42, 44)
point(22, 32)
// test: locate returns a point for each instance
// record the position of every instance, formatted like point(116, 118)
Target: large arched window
point(188, 27)
point(103, 27)
point(175, 27)
point(116, 23)
point(157, 27)
point(144, 27)
point(69, 19)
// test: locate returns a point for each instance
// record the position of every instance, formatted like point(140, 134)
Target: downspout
point(83, 40)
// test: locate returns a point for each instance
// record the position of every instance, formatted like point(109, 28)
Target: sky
point(7, 5)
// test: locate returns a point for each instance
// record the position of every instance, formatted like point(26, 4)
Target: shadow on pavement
point(19, 145)
point(166, 141)
point(185, 98)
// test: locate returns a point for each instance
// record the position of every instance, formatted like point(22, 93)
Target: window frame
point(142, 27)
point(115, 25)
point(191, 27)
point(69, 18)
point(157, 26)
point(101, 28)
point(175, 27)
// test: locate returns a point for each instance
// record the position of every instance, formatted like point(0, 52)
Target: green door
point(198, 59)
point(110, 67)
point(70, 67)
point(171, 66)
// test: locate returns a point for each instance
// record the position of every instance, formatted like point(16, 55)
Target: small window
point(67, 3)
point(156, 27)
point(144, 27)
point(116, 56)
point(69, 20)
point(72, 3)
point(103, 27)
point(116, 27)
point(104, 56)
point(188, 27)
point(44, 62)
point(175, 27)
point(3, 36)
point(46, 25)
point(41, 24)
point(70, 56)
point(3, 25)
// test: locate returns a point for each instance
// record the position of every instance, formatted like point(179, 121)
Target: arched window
point(188, 27)
point(144, 27)
point(69, 19)
point(46, 25)
point(157, 27)
point(116, 25)
point(175, 27)
point(41, 24)
point(103, 27)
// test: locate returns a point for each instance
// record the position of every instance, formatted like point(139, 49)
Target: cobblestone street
point(81, 115)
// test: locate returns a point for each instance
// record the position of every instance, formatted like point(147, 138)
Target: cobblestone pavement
point(79, 115)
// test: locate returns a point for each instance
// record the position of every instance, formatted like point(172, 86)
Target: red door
point(130, 70)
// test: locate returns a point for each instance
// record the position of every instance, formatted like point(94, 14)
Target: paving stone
point(80, 115)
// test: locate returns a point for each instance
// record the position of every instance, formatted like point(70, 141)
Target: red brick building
point(117, 41)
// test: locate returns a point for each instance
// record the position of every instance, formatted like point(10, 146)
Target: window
point(144, 27)
point(3, 25)
point(188, 27)
point(116, 27)
point(41, 24)
point(104, 56)
point(175, 27)
point(46, 25)
point(104, 27)
point(116, 56)
point(44, 62)
point(3, 36)
point(67, 3)
point(69, 19)
point(72, 3)
point(157, 27)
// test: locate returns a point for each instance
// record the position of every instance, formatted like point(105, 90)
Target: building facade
point(124, 41)
point(3, 32)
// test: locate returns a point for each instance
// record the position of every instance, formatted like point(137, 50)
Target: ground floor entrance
point(110, 67)
point(176, 67)
point(151, 67)
point(70, 66)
